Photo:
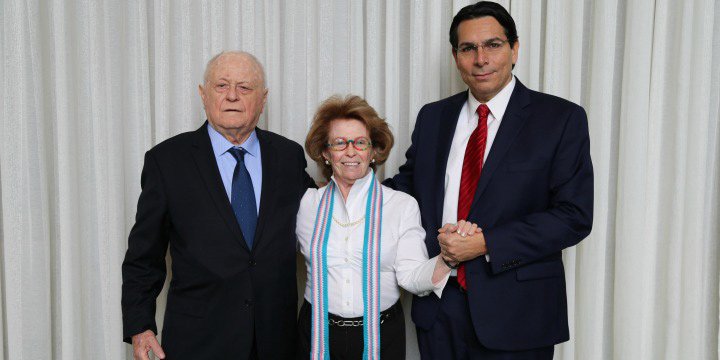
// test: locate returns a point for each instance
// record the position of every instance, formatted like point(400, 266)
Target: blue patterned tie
point(243, 197)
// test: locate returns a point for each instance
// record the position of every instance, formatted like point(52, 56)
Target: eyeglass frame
point(474, 49)
point(353, 141)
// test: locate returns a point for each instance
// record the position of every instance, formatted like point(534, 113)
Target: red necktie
point(471, 169)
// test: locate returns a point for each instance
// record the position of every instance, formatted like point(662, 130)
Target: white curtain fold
point(90, 85)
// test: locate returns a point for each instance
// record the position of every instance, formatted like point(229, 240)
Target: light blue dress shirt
point(226, 162)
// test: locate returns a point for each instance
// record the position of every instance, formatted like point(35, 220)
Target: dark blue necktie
point(243, 197)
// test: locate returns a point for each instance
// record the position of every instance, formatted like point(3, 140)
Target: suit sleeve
point(568, 218)
point(143, 269)
point(308, 181)
point(403, 181)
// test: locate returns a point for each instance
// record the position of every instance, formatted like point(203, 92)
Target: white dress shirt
point(467, 122)
point(403, 257)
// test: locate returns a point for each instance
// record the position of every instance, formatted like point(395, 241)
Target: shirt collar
point(358, 191)
point(221, 145)
point(497, 105)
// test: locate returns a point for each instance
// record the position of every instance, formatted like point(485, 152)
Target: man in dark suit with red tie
point(224, 199)
point(515, 162)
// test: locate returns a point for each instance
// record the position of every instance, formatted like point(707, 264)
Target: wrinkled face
point(234, 95)
point(349, 164)
point(485, 71)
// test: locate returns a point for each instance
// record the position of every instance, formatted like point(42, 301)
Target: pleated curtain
point(89, 85)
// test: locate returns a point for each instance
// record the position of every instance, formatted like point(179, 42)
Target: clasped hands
point(461, 242)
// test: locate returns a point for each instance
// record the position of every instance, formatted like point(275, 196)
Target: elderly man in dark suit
point(224, 199)
point(517, 163)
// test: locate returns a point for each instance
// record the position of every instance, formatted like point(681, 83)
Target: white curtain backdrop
point(89, 85)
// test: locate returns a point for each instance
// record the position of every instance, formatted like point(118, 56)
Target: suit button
point(253, 262)
point(248, 302)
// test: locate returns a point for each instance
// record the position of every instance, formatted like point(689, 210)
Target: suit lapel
point(270, 175)
point(204, 158)
point(446, 131)
point(512, 123)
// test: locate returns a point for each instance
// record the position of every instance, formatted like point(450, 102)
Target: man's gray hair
point(248, 55)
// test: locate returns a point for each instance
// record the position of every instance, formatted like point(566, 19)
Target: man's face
point(487, 70)
point(234, 96)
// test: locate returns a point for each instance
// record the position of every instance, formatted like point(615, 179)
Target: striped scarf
point(371, 273)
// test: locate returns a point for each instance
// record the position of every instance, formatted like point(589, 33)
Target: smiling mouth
point(351, 163)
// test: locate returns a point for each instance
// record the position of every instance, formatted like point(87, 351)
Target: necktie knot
point(238, 153)
point(483, 111)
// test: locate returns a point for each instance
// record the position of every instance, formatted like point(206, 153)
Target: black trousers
point(346, 342)
point(452, 336)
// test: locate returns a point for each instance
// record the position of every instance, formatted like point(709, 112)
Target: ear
point(201, 91)
point(264, 101)
point(515, 50)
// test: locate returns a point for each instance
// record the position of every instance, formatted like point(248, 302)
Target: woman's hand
point(463, 228)
point(466, 228)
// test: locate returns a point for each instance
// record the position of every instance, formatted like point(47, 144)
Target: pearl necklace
point(350, 224)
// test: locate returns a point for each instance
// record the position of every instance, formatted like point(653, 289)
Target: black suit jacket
point(534, 198)
point(222, 294)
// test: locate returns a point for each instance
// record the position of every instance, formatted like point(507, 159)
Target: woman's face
point(350, 163)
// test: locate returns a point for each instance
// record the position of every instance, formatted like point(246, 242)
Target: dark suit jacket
point(534, 198)
point(222, 293)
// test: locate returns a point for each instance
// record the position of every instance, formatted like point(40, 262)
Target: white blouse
point(403, 257)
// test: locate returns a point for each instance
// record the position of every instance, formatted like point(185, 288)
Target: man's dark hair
point(482, 9)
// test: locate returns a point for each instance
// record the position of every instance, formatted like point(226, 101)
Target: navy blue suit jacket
point(534, 198)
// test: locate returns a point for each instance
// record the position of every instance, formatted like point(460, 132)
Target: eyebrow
point(482, 42)
point(239, 82)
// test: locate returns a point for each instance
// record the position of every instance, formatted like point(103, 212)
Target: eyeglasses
point(489, 47)
point(360, 144)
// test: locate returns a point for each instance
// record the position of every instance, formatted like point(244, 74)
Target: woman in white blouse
point(361, 241)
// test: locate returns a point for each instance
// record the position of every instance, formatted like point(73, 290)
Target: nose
point(481, 57)
point(350, 151)
point(232, 94)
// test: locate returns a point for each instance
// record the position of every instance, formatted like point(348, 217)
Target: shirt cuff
point(440, 286)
